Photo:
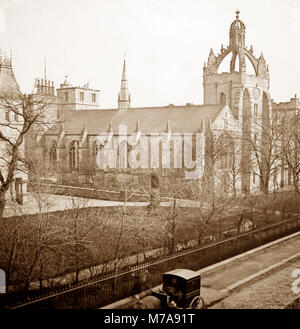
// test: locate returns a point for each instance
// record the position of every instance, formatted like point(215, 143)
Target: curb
point(245, 255)
point(260, 273)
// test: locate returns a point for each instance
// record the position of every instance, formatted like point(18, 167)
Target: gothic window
point(95, 149)
point(53, 153)
point(154, 181)
point(124, 152)
point(66, 97)
point(222, 99)
point(226, 153)
point(94, 98)
point(81, 96)
point(73, 155)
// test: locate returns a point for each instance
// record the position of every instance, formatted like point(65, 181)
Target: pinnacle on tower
point(138, 126)
point(110, 126)
point(84, 126)
point(124, 99)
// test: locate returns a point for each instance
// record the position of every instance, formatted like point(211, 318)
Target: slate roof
point(183, 119)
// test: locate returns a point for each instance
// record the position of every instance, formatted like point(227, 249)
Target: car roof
point(183, 273)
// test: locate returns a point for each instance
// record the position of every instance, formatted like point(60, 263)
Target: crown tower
point(246, 94)
point(227, 88)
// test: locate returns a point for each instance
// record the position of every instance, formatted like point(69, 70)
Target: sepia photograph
point(149, 157)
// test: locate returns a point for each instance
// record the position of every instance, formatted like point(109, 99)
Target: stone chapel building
point(216, 131)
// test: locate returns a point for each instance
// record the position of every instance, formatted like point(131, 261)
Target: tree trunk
point(2, 203)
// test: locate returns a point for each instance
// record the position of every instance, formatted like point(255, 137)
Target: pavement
point(54, 202)
point(245, 267)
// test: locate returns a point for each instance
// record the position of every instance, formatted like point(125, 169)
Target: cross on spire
point(237, 14)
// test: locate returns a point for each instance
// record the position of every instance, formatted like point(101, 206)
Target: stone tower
point(246, 94)
point(124, 99)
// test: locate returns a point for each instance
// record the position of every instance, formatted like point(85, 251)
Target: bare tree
point(291, 147)
point(22, 112)
point(263, 159)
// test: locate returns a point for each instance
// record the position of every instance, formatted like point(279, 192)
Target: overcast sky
point(166, 43)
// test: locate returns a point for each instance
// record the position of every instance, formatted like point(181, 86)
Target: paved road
point(236, 271)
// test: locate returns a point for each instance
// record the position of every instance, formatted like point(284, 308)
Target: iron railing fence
point(94, 294)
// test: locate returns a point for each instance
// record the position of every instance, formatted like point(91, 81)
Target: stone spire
point(124, 99)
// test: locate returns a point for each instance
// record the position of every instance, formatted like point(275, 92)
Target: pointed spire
point(84, 132)
point(262, 56)
point(84, 126)
point(124, 98)
point(211, 53)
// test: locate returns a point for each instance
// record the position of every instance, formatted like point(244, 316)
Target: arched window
point(53, 153)
point(73, 155)
point(154, 181)
point(123, 154)
point(225, 152)
point(94, 151)
point(95, 148)
point(222, 99)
